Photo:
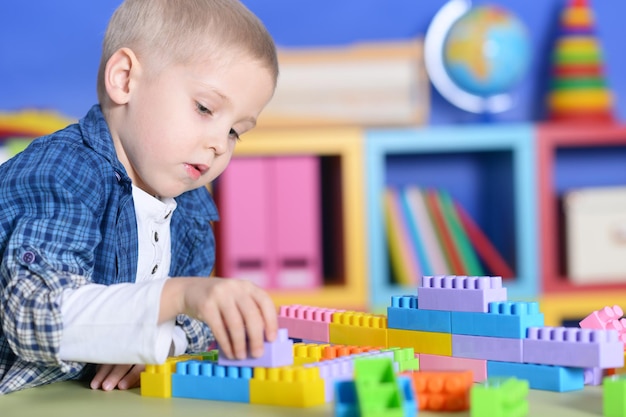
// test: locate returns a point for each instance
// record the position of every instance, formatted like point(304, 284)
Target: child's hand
point(109, 377)
point(240, 314)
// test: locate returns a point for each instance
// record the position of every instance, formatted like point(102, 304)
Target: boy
point(95, 218)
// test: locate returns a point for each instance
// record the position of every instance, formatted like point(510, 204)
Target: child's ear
point(118, 75)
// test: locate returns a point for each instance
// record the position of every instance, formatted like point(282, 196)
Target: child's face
point(180, 126)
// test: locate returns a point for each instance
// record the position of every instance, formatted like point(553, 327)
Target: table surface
point(69, 399)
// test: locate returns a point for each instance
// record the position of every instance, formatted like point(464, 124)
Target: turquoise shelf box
point(488, 169)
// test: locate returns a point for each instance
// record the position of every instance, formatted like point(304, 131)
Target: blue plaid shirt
point(67, 218)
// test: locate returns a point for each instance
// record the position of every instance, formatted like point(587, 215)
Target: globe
point(486, 51)
point(474, 56)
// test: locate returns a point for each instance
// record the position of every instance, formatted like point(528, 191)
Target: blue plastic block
point(543, 377)
point(346, 401)
point(208, 381)
point(504, 319)
point(405, 314)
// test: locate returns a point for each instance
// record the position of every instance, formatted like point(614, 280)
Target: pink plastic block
point(275, 354)
point(245, 228)
point(460, 293)
point(296, 209)
point(303, 322)
point(502, 349)
point(449, 363)
point(573, 347)
point(608, 318)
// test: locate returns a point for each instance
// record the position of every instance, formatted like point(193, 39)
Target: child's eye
point(203, 110)
point(234, 134)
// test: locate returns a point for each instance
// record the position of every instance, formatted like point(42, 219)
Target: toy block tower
point(579, 91)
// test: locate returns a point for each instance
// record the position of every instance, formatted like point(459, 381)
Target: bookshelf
point(568, 157)
point(341, 157)
point(490, 170)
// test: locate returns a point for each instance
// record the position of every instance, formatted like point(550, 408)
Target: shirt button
point(28, 257)
point(155, 269)
point(156, 236)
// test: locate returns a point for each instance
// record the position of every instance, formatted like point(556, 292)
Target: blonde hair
point(180, 31)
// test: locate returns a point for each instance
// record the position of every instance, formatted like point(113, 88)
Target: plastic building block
point(405, 358)
point(337, 351)
point(504, 319)
point(460, 293)
point(500, 397)
point(490, 348)
point(542, 377)
point(377, 389)
point(291, 386)
point(333, 371)
point(304, 322)
point(421, 342)
point(614, 396)
point(478, 367)
point(356, 328)
point(405, 313)
point(608, 318)
point(347, 401)
point(570, 346)
point(308, 352)
point(594, 376)
point(275, 354)
point(209, 381)
point(156, 380)
point(442, 391)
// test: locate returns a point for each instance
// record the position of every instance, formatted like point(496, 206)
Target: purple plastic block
point(275, 354)
point(490, 348)
point(460, 293)
point(331, 371)
point(594, 376)
point(574, 347)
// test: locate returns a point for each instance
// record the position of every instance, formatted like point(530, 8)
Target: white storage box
point(595, 220)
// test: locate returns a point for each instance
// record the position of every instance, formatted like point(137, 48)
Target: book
point(413, 230)
point(403, 263)
point(484, 248)
point(425, 228)
point(445, 236)
point(466, 250)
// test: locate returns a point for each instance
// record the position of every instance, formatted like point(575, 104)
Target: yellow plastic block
point(422, 342)
point(358, 329)
point(307, 352)
point(156, 380)
point(291, 386)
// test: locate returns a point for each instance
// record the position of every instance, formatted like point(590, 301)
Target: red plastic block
point(303, 322)
point(460, 293)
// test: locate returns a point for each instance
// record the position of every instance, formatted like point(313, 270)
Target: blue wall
point(49, 50)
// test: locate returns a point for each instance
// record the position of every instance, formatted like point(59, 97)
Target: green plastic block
point(614, 396)
point(499, 397)
point(377, 388)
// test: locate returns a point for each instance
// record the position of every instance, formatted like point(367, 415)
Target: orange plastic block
point(337, 351)
point(442, 391)
point(360, 329)
point(291, 386)
point(432, 343)
point(304, 353)
point(156, 380)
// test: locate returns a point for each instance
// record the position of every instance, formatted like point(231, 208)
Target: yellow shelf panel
point(346, 143)
point(556, 308)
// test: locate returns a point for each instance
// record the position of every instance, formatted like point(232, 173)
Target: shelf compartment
point(569, 157)
point(488, 169)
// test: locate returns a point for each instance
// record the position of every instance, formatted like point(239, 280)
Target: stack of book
point(428, 233)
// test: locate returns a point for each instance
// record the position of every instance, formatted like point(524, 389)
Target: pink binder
point(296, 221)
point(245, 244)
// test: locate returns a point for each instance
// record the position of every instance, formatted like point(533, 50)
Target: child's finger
point(115, 376)
point(268, 312)
point(132, 378)
point(216, 323)
point(101, 374)
point(254, 325)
